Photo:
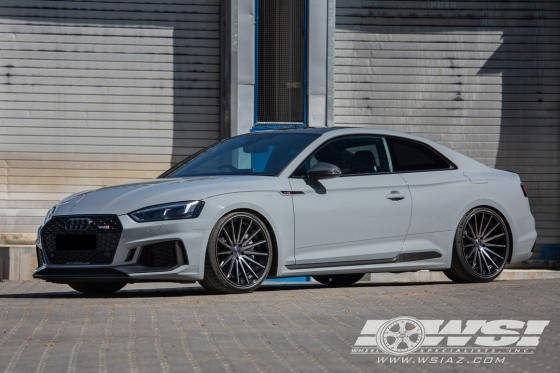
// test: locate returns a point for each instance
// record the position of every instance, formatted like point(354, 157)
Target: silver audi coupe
point(332, 203)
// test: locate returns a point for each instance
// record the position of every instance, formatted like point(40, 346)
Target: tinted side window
point(414, 156)
point(354, 155)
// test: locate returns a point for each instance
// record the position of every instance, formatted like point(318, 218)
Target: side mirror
point(322, 170)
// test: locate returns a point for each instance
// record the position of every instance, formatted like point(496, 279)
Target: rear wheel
point(481, 248)
point(97, 287)
point(238, 255)
point(339, 280)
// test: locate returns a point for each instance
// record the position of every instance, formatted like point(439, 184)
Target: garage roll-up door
point(98, 93)
point(480, 77)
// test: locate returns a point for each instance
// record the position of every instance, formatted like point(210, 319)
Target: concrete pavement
point(280, 328)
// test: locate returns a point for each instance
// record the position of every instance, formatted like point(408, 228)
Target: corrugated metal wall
point(94, 93)
point(480, 77)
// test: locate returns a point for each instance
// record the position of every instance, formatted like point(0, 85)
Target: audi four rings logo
point(78, 224)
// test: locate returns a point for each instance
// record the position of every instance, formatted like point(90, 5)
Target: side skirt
point(405, 257)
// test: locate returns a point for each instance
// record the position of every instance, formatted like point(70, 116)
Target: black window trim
point(452, 166)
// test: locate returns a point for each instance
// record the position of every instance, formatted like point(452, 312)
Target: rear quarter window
point(410, 155)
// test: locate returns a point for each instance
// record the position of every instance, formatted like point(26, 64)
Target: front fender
point(275, 208)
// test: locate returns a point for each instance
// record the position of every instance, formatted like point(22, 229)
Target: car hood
point(125, 198)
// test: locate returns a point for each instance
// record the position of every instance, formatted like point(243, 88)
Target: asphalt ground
point(279, 328)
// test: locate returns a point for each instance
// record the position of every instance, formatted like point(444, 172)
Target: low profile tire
point(208, 287)
point(339, 280)
point(97, 287)
point(238, 255)
point(481, 248)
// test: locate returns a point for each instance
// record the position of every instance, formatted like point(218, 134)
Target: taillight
point(524, 190)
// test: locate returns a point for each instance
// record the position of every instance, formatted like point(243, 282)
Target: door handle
point(395, 195)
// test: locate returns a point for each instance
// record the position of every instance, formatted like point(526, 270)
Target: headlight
point(170, 211)
point(49, 214)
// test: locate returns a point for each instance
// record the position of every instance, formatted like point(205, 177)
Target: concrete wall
point(99, 93)
point(17, 263)
point(480, 77)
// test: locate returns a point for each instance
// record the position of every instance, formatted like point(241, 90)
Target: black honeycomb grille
point(106, 228)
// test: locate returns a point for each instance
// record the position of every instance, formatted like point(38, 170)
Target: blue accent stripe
point(290, 279)
point(304, 85)
point(256, 90)
point(275, 126)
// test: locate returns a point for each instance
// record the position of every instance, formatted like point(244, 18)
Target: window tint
point(354, 155)
point(413, 156)
point(264, 154)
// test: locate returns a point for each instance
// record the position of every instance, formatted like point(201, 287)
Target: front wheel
point(238, 255)
point(481, 248)
point(339, 280)
point(97, 287)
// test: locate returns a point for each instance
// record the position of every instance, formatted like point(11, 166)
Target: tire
point(339, 280)
point(453, 277)
point(97, 287)
point(205, 286)
point(481, 247)
point(239, 254)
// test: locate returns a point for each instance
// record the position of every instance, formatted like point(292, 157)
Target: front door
point(360, 216)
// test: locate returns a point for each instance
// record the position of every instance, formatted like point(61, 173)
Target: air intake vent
point(163, 255)
point(40, 259)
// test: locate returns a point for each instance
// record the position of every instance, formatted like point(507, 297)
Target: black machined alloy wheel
point(239, 254)
point(482, 246)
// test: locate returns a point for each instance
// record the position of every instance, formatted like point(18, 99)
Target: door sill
point(404, 257)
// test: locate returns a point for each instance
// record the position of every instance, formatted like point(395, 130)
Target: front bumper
point(127, 274)
point(129, 261)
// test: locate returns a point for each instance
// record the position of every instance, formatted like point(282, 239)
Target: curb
point(437, 276)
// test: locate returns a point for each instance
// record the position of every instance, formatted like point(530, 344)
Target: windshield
point(263, 154)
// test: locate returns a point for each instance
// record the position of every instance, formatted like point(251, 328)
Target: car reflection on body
point(332, 203)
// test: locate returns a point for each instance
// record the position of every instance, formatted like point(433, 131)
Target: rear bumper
point(525, 238)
